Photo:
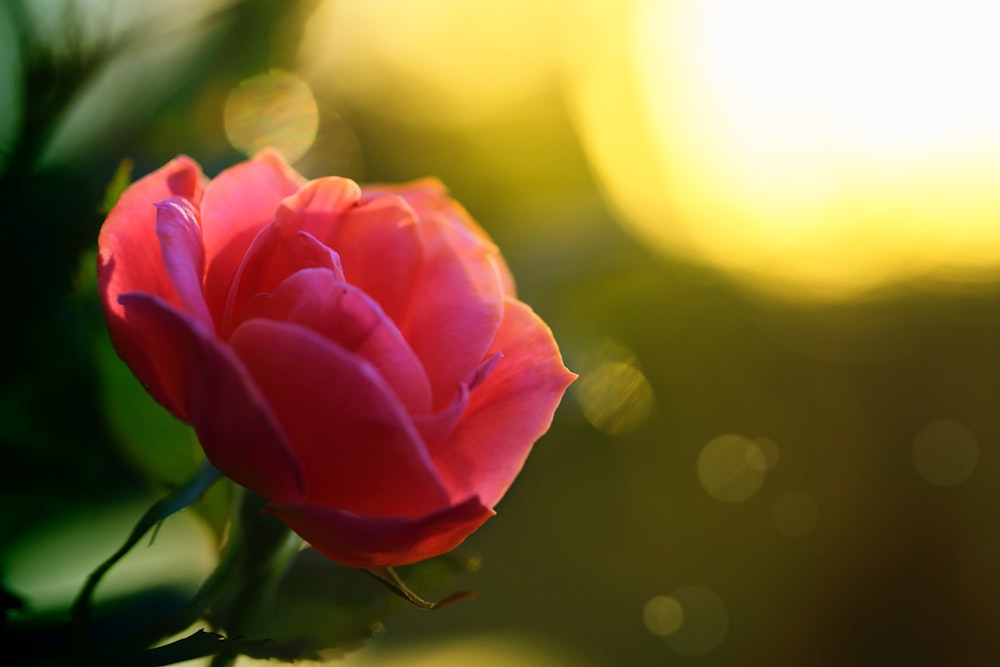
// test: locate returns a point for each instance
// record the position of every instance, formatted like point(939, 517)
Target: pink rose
point(356, 356)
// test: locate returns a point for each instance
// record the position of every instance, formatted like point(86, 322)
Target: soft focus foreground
point(776, 278)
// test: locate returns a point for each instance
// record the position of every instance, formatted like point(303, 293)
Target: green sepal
point(390, 578)
point(121, 179)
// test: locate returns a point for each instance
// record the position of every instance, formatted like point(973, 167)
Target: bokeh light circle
point(276, 110)
point(705, 621)
point(612, 390)
point(945, 453)
point(731, 468)
point(663, 615)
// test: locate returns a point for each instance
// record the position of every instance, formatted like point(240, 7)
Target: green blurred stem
point(264, 551)
point(280, 565)
point(177, 500)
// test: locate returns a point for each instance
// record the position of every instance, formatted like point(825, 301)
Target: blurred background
point(766, 235)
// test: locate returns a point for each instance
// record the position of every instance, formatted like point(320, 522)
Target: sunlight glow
point(821, 148)
point(435, 62)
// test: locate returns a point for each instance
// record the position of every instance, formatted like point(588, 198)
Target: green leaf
point(197, 645)
point(160, 510)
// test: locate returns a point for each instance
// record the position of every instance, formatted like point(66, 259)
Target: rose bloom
point(355, 355)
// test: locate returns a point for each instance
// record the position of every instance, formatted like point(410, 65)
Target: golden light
point(436, 62)
point(818, 148)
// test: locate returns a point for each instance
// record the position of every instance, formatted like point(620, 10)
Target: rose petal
point(276, 253)
point(318, 205)
point(237, 204)
point(437, 427)
point(508, 412)
point(180, 245)
point(357, 447)
point(430, 196)
point(206, 385)
point(456, 307)
point(129, 258)
point(378, 242)
point(358, 541)
point(319, 300)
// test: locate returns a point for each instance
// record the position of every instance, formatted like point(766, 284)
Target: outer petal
point(320, 300)
point(357, 541)
point(508, 412)
point(129, 254)
point(236, 205)
point(357, 447)
point(129, 258)
point(207, 386)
